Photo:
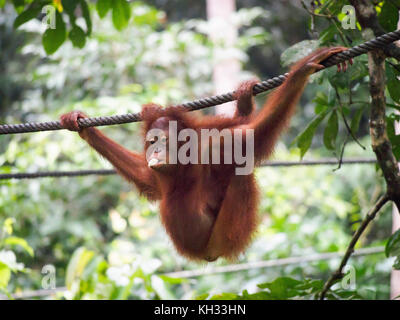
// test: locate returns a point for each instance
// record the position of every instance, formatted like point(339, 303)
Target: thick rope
point(103, 172)
point(263, 86)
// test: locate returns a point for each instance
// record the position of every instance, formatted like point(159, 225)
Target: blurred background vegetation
point(106, 242)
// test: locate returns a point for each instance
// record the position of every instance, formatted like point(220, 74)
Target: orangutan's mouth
point(155, 163)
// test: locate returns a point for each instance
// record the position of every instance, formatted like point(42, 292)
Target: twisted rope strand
point(263, 86)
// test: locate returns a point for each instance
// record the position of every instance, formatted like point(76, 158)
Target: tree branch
point(381, 145)
point(368, 19)
point(379, 138)
point(338, 274)
point(332, 18)
point(312, 13)
point(344, 118)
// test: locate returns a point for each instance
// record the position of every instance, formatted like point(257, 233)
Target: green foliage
point(90, 276)
point(112, 75)
point(305, 138)
point(339, 92)
point(77, 37)
point(105, 241)
point(393, 83)
point(19, 242)
point(102, 7)
point(30, 13)
point(355, 121)
point(121, 13)
point(389, 16)
point(392, 249)
point(393, 136)
point(76, 265)
point(286, 288)
point(54, 38)
point(86, 16)
point(298, 51)
point(8, 260)
point(393, 245)
point(331, 131)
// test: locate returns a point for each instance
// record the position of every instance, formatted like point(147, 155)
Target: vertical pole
point(223, 33)
point(395, 276)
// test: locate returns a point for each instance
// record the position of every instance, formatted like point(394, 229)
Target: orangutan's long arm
point(280, 106)
point(132, 166)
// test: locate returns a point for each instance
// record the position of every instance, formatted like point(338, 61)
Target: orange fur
point(206, 209)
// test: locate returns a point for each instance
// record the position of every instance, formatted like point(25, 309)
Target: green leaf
point(310, 285)
point(225, 296)
point(392, 135)
point(30, 13)
point(334, 6)
point(53, 38)
point(70, 7)
point(102, 7)
point(394, 106)
point(77, 37)
point(304, 139)
point(393, 83)
point(280, 282)
point(396, 264)
point(331, 131)
point(173, 280)
point(149, 16)
point(86, 16)
point(355, 121)
point(321, 99)
point(121, 13)
point(80, 258)
point(358, 70)
point(92, 267)
point(392, 247)
point(389, 16)
point(282, 288)
point(327, 35)
point(161, 289)
point(298, 51)
point(5, 275)
point(321, 103)
point(7, 225)
point(203, 296)
point(18, 5)
point(15, 241)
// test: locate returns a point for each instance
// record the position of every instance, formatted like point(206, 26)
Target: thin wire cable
point(263, 86)
point(80, 173)
point(270, 263)
point(223, 269)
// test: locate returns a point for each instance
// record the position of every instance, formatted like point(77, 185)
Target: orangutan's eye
point(153, 140)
